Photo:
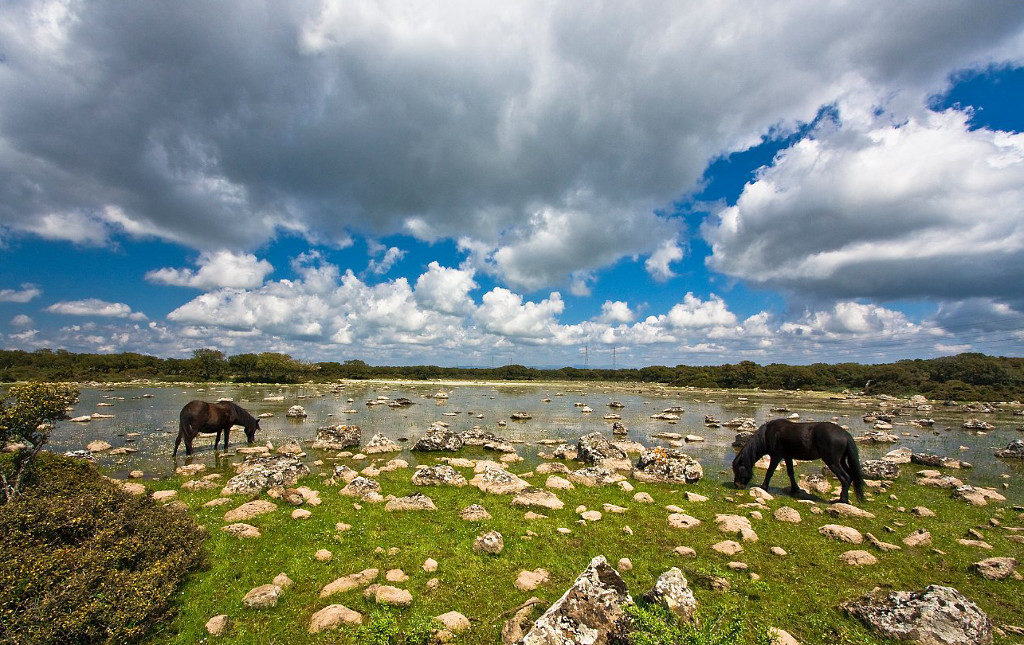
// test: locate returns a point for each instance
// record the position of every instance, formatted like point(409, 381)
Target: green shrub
point(723, 625)
point(384, 628)
point(83, 562)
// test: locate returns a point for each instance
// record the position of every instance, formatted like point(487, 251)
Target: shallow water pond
point(153, 413)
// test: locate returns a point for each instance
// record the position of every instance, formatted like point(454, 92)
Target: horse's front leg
point(217, 441)
point(772, 465)
point(793, 488)
point(227, 432)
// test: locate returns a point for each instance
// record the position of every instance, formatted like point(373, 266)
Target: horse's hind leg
point(188, 445)
point(227, 432)
point(217, 441)
point(772, 465)
point(844, 479)
point(794, 490)
point(177, 442)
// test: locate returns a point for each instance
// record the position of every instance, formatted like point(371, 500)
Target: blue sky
point(446, 184)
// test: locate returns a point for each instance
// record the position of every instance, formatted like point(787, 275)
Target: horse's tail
point(853, 467)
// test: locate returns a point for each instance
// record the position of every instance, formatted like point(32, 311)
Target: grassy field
point(799, 592)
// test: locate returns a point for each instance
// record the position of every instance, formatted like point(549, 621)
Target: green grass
point(799, 593)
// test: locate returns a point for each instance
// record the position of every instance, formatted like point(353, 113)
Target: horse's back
point(805, 440)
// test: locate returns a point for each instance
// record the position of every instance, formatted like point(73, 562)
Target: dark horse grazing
point(783, 439)
point(200, 416)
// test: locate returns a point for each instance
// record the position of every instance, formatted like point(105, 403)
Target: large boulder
point(594, 449)
point(667, 465)
point(935, 616)
point(440, 475)
point(337, 437)
point(439, 438)
point(378, 443)
point(880, 469)
point(296, 412)
point(995, 568)
point(592, 611)
point(260, 473)
point(1014, 450)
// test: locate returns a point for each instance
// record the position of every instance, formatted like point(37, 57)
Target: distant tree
point(26, 414)
point(207, 364)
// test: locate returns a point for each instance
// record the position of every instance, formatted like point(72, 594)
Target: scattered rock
point(430, 565)
point(673, 592)
point(995, 568)
point(521, 621)
point(218, 625)
point(349, 582)
point(337, 437)
point(388, 595)
point(323, 555)
point(260, 473)
point(736, 525)
point(439, 438)
point(453, 621)
point(857, 558)
point(840, 509)
point(164, 495)
point(1013, 450)
point(301, 514)
point(920, 537)
point(591, 611)
point(474, 513)
point(787, 514)
point(296, 412)
point(380, 444)
point(594, 476)
point(558, 483)
point(490, 542)
point(935, 616)
point(396, 575)
point(98, 446)
point(682, 521)
point(538, 497)
point(362, 488)
point(262, 597)
point(331, 616)
point(727, 547)
point(530, 580)
point(667, 465)
point(250, 510)
point(880, 469)
point(414, 502)
point(842, 533)
point(498, 481)
point(241, 530)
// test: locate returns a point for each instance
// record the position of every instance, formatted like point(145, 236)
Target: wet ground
point(152, 412)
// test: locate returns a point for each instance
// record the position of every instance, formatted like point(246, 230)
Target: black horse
point(200, 416)
point(783, 439)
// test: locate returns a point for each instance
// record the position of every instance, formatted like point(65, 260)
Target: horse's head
point(250, 430)
point(741, 472)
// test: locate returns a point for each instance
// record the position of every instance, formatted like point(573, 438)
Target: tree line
point(968, 376)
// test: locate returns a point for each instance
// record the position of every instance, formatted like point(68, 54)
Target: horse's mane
point(242, 414)
point(754, 448)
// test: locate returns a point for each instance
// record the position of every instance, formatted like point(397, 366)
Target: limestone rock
point(378, 443)
point(935, 616)
point(439, 475)
point(682, 521)
point(880, 469)
point(218, 625)
point(453, 621)
point(530, 580)
point(736, 525)
point(558, 483)
point(594, 476)
point(260, 473)
point(596, 450)
point(591, 611)
point(842, 533)
point(787, 514)
point(498, 481)
point(262, 597)
point(364, 489)
point(840, 509)
point(920, 537)
point(673, 592)
point(388, 595)
point(323, 555)
point(490, 542)
point(521, 621)
point(538, 497)
point(349, 582)
point(857, 558)
point(439, 438)
point(337, 437)
point(414, 502)
point(727, 547)
point(241, 530)
point(1013, 450)
point(667, 465)
point(474, 513)
point(995, 568)
point(98, 446)
point(250, 510)
point(332, 616)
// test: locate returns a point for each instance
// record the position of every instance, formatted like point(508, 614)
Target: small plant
point(384, 628)
point(26, 414)
point(655, 625)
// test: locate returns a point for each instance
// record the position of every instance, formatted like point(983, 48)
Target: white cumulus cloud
point(95, 307)
point(217, 269)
